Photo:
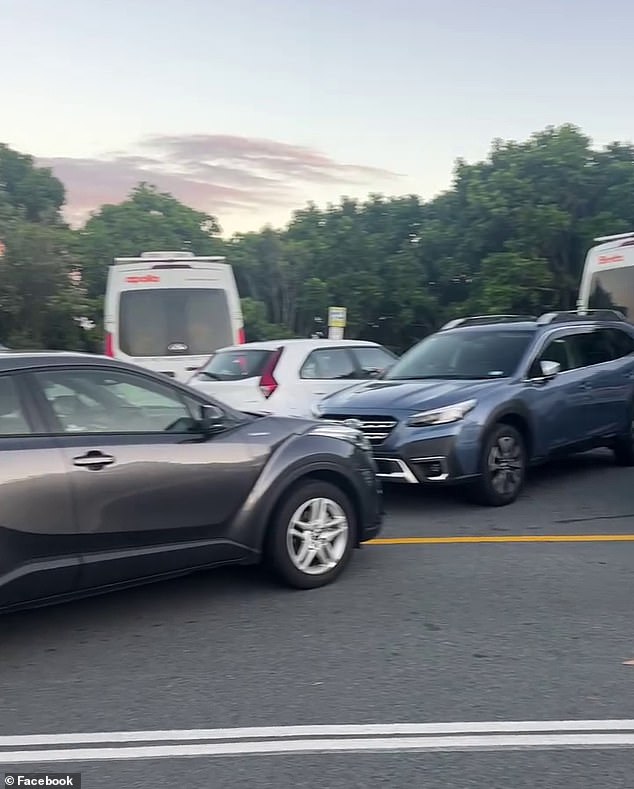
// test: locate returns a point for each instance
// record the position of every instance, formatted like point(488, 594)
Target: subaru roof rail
point(483, 320)
point(617, 237)
point(580, 315)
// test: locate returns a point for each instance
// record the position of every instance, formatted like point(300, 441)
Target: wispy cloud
point(214, 173)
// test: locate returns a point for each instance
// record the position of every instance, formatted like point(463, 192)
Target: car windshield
point(235, 365)
point(464, 355)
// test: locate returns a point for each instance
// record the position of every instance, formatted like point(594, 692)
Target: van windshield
point(613, 289)
point(174, 321)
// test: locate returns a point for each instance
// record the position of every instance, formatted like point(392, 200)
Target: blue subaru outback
point(485, 397)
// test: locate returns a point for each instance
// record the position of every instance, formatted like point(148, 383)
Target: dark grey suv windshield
point(464, 354)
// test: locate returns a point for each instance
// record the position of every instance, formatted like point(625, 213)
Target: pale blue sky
point(404, 86)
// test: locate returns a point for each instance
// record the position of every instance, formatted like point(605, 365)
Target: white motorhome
point(607, 281)
point(169, 311)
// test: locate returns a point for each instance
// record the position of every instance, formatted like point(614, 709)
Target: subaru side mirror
point(550, 369)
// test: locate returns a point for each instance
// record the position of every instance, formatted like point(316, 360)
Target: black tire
point(624, 446)
point(502, 487)
point(278, 556)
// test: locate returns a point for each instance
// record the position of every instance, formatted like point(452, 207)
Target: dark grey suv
point(113, 476)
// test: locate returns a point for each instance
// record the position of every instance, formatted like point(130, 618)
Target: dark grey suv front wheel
point(502, 467)
point(311, 535)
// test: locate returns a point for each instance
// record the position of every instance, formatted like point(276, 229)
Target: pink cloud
point(212, 173)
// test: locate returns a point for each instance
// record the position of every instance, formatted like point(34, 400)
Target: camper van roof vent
point(180, 255)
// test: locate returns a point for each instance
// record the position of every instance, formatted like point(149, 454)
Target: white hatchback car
point(288, 377)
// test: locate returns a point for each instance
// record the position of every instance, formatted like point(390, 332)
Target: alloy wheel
point(505, 465)
point(317, 536)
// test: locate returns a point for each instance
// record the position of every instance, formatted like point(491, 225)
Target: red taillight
point(241, 337)
point(268, 384)
point(109, 345)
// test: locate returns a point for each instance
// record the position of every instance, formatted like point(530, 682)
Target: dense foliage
point(509, 235)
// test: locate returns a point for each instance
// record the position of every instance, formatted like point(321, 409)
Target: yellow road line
point(510, 538)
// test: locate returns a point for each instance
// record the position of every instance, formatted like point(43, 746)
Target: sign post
point(336, 322)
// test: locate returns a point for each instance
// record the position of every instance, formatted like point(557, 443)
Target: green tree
point(39, 304)
point(533, 199)
point(256, 325)
point(511, 284)
point(509, 235)
point(31, 191)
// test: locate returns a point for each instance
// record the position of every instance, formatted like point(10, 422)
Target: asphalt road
point(413, 633)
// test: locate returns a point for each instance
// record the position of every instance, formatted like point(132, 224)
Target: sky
point(248, 109)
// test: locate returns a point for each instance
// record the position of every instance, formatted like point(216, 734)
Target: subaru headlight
point(442, 416)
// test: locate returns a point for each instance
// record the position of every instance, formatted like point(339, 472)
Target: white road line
point(337, 730)
point(484, 742)
point(488, 735)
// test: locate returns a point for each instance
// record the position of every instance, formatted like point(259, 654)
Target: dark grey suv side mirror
point(212, 419)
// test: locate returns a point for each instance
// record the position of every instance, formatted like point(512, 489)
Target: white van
point(169, 311)
point(607, 281)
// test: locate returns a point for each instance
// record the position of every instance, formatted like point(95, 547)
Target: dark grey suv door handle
point(93, 460)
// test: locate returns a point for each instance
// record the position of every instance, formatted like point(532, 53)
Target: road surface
point(505, 631)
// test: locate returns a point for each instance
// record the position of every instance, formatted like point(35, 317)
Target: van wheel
point(502, 467)
point(311, 536)
point(624, 445)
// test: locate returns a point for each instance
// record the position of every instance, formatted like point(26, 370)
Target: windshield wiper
point(213, 376)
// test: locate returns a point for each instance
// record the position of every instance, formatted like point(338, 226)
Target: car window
point(235, 365)
point(13, 420)
point(328, 363)
point(371, 359)
point(110, 401)
point(593, 347)
point(561, 350)
point(621, 343)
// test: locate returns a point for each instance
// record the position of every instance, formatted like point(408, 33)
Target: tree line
point(508, 236)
